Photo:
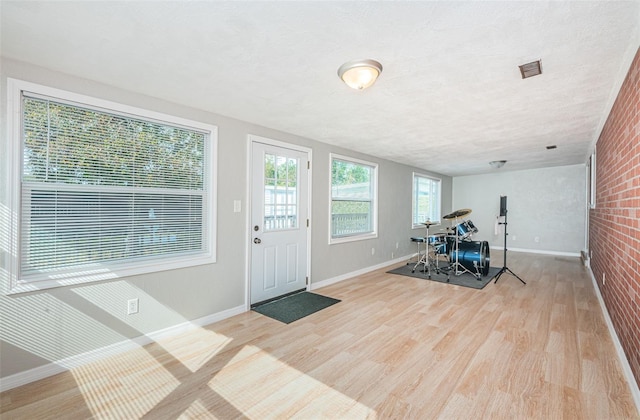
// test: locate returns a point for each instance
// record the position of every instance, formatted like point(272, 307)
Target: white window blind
point(100, 188)
point(426, 199)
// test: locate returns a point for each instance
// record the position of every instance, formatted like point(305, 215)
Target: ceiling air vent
point(531, 69)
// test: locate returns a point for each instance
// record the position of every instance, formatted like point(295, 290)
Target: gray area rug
point(293, 307)
point(466, 279)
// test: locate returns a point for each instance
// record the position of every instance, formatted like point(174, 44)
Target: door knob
point(257, 241)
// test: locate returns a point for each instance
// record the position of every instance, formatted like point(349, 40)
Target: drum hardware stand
point(424, 259)
point(504, 268)
point(420, 255)
point(457, 265)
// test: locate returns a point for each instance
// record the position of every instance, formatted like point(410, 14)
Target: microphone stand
point(504, 268)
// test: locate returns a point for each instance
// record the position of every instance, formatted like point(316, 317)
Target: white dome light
point(360, 74)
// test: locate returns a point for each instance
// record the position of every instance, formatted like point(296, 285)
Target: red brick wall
point(614, 225)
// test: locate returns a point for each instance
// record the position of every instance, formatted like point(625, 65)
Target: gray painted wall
point(41, 327)
point(546, 207)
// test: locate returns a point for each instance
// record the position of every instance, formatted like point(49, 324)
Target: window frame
point(414, 192)
point(99, 271)
point(374, 200)
point(591, 180)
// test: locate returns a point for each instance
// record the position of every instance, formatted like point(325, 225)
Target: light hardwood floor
point(395, 347)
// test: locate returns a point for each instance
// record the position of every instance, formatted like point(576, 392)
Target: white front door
point(279, 219)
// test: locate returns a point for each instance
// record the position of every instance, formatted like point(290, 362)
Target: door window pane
point(280, 192)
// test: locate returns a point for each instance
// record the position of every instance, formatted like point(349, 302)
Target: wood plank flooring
point(395, 347)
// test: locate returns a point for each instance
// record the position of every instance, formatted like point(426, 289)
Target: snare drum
point(465, 229)
point(437, 239)
point(439, 243)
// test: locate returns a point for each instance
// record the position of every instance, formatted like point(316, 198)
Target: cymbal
point(430, 223)
point(457, 213)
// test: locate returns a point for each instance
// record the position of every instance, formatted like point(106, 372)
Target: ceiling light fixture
point(497, 163)
point(360, 74)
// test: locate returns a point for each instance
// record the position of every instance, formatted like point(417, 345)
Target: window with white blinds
point(111, 192)
point(426, 199)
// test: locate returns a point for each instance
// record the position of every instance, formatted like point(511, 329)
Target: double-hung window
point(426, 199)
point(105, 190)
point(353, 199)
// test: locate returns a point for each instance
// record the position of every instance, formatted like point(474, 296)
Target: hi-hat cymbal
point(429, 223)
point(457, 213)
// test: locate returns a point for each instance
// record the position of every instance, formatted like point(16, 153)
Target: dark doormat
point(465, 279)
point(293, 307)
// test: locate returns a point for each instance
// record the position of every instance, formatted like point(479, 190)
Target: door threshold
point(264, 302)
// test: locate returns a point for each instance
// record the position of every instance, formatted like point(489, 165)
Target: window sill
point(354, 238)
point(100, 272)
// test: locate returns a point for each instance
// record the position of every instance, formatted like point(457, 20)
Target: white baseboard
point(626, 368)
point(538, 251)
point(346, 276)
point(63, 365)
point(584, 256)
point(53, 368)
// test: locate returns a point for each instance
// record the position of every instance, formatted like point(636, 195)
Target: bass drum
point(472, 255)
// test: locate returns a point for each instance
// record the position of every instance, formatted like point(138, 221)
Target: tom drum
point(466, 229)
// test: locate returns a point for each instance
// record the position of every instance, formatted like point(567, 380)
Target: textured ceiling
point(450, 98)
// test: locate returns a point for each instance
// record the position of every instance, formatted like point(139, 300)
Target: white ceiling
point(450, 98)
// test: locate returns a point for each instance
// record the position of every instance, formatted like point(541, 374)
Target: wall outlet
point(132, 306)
point(392, 255)
point(397, 245)
point(237, 206)
point(513, 237)
point(373, 251)
point(536, 239)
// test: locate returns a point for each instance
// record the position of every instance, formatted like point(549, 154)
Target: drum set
point(455, 249)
